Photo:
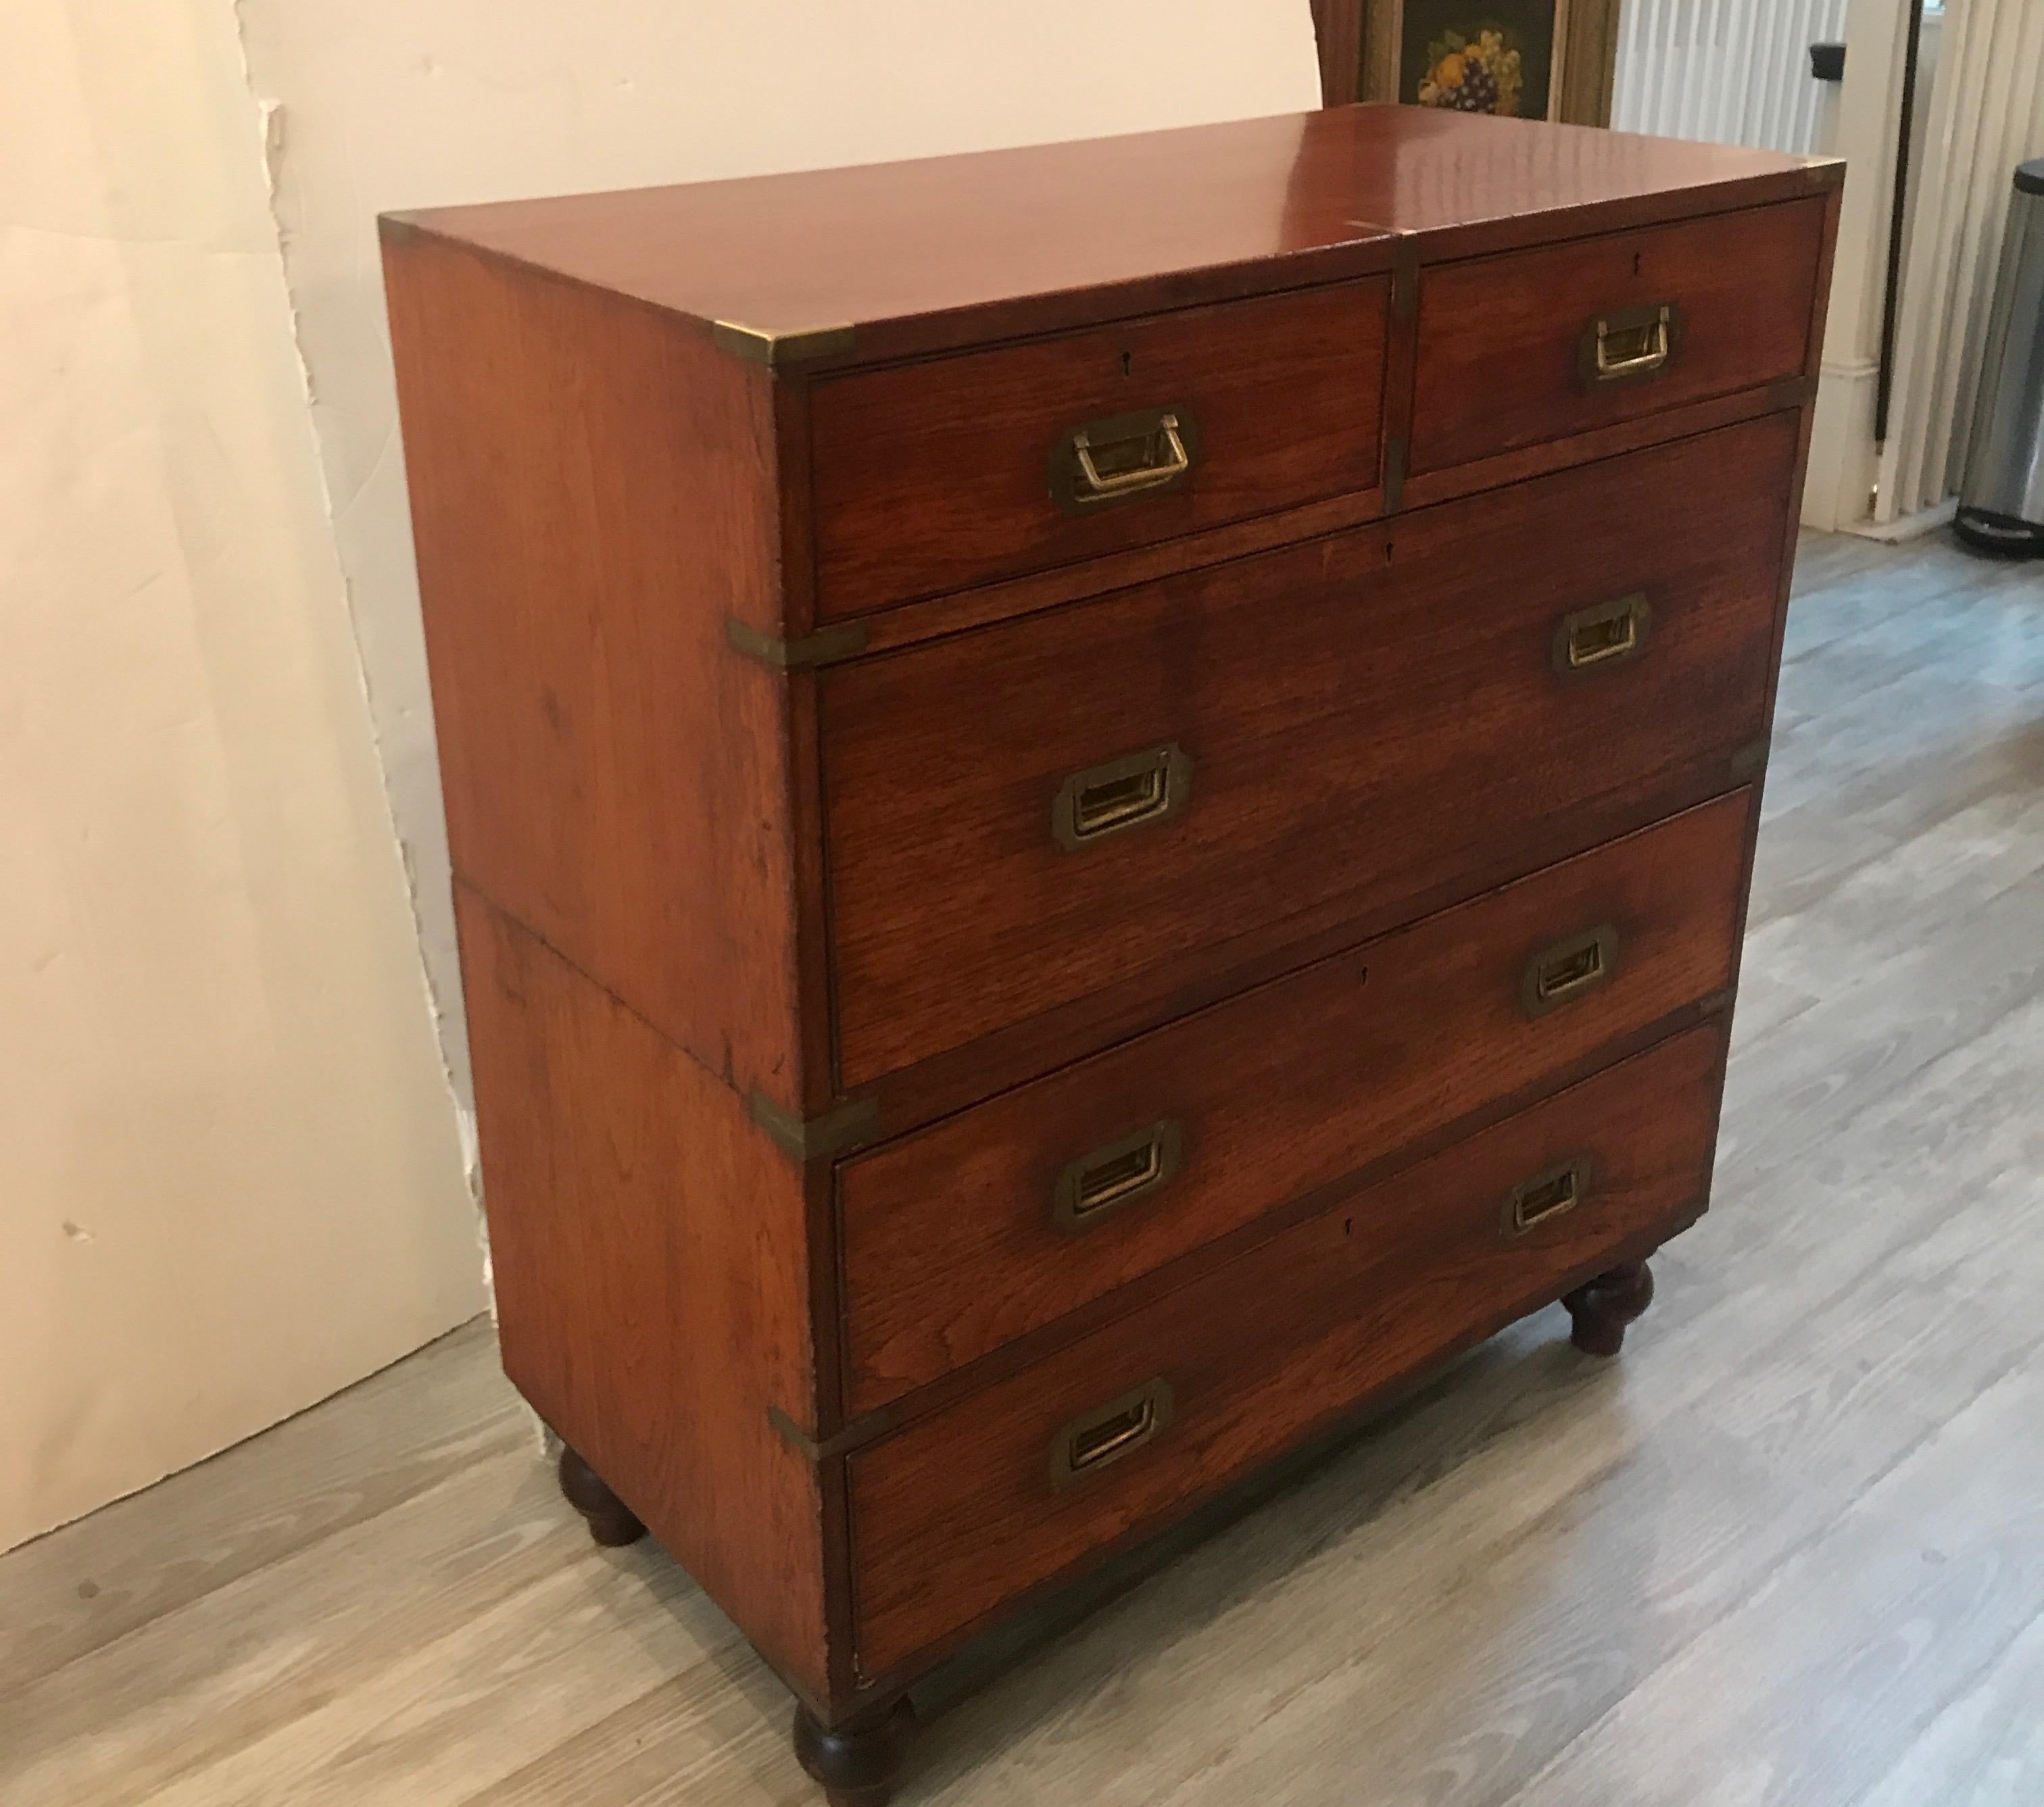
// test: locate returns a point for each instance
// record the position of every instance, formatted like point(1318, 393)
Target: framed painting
point(1521, 59)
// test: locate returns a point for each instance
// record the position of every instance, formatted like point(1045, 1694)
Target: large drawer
point(1517, 350)
point(956, 471)
point(1003, 1218)
point(1022, 815)
point(1129, 1426)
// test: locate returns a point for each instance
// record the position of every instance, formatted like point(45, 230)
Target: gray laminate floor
point(1790, 1550)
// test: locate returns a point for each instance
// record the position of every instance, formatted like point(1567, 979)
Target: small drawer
point(1370, 724)
point(957, 471)
point(1520, 349)
point(1128, 1427)
point(996, 1222)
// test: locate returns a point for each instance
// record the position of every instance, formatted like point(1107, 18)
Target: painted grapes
point(1479, 73)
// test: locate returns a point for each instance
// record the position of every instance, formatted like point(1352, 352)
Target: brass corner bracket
point(845, 640)
point(1405, 279)
point(1749, 762)
point(816, 1138)
point(821, 1449)
point(1395, 452)
point(776, 349)
point(1792, 392)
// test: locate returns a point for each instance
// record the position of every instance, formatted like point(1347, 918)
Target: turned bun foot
point(611, 1522)
point(1601, 1309)
point(857, 1762)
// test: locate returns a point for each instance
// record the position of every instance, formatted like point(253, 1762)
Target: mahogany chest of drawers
point(1101, 799)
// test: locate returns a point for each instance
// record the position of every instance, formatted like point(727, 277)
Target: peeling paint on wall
point(432, 973)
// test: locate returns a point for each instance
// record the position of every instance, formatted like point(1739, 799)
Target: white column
point(1842, 460)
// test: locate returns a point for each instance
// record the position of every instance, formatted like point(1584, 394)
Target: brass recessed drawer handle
point(1122, 794)
point(1607, 634)
point(1098, 1184)
point(1628, 342)
point(1570, 969)
point(1550, 1194)
point(1107, 1433)
point(1124, 455)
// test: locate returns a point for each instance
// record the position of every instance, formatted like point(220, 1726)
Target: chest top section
point(845, 266)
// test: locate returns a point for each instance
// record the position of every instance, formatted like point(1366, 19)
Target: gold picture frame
point(1372, 50)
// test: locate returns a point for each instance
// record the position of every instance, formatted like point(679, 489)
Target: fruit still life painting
point(1484, 74)
point(1494, 57)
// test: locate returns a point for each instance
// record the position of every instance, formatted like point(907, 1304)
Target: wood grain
point(651, 1321)
point(948, 1241)
point(326, 1678)
point(1445, 1604)
point(931, 476)
point(1500, 339)
point(1986, 1744)
point(706, 890)
point(953, 1516)
point(616, 777)
point(935, 617)
point(313, 1477)
point(1948, 1551)
point(1598, 443)
point(948, 252)
point(1395, 733)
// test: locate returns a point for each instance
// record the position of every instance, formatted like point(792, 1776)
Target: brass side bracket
point(816, 1138)
point(845, 640)
point(1395, 454)
point(777, 350)
point(1405, 279)
point(1750, 761)
point(1792, 392)
point(860, 1430)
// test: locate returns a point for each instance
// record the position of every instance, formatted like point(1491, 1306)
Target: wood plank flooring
point(1788, 1551)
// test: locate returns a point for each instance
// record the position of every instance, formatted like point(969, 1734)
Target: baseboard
point(1909, 526)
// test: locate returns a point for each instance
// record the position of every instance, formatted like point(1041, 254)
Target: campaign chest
point(1101, 799)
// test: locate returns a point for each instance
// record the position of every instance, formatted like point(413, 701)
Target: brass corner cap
point(775, 350)
point(846, 640)
point(1405, 278)
point(859, 1430)
point(803, 1139)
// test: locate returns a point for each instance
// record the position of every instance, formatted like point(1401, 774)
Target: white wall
point(387, 104)
point(230, 1181)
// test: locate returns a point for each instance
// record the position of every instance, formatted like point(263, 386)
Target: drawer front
point(936, 476)
point(976, 1503)
point(1023, 815)
point(1511, 355)
point(993, 1222)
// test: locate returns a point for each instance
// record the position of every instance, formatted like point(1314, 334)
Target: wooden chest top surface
point(923, 256)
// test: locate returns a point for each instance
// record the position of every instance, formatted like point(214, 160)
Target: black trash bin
point(2001, 502)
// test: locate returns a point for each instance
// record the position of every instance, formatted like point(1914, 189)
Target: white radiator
point(1733, 72)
